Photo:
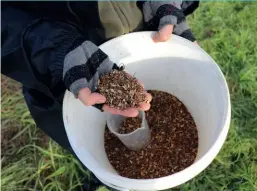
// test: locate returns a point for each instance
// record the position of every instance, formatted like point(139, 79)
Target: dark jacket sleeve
point(33, 49)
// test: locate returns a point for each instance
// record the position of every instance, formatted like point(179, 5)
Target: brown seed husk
point(121, 90)
point(173, 146)
point(130, 124)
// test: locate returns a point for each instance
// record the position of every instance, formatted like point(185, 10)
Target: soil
point(173, 146)
point(121, 90)
point(130, 124)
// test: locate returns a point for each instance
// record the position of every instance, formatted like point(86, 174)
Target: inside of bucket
point(194, 82)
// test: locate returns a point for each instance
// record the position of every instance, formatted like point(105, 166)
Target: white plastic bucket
point(178, 67)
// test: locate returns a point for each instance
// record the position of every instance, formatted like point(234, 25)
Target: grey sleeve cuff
point(183, 30)
point(83, 66)
point(157, 14)
point(180, 28)
point(152, 9)
point(166, 20)
point(78, 85)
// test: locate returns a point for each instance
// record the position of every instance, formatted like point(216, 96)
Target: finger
point(88, 98)
point(83, 95)
point(141, 83)
point(131, 112)
point(148, 97)
point(144, 106)
point(156, 37)
point(95, 98)
point(182, 29)
point(163, 34)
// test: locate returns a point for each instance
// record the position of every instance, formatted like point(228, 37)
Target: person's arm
point(33, 50)
point(53, 53)
point(167, 17)
point(49, 50)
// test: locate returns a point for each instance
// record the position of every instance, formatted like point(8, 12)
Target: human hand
point(166, 17)
point(83, 66)
point(90, 98)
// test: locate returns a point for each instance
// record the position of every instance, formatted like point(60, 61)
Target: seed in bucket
point(130, 124)
point(173, 146)
point(121, 90)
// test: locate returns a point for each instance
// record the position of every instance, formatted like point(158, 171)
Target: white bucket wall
point(178, 67)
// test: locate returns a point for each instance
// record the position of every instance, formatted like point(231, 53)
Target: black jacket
point(35, 38)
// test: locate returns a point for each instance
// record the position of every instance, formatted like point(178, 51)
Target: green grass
point(227, 31)
point(29, 160)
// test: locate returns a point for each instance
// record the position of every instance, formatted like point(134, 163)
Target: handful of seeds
point(121, 90)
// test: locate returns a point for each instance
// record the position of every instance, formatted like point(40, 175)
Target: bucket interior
point(194, 82)
point(178, 67)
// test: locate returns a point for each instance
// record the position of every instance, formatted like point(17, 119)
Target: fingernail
point(154, 37)
point(100, 101)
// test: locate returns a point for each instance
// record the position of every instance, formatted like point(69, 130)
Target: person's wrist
point(83, 66)
point(81, 84)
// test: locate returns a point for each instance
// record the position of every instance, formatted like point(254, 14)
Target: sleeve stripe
point(86, 70)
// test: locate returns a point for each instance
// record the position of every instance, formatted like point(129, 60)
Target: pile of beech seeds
point(173, 146)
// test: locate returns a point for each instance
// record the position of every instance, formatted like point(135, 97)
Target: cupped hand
point(89, 98)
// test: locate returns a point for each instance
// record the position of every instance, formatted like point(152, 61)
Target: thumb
point(163, 34)
point(88, 98)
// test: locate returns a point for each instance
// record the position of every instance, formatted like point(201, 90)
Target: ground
point(227, 31)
